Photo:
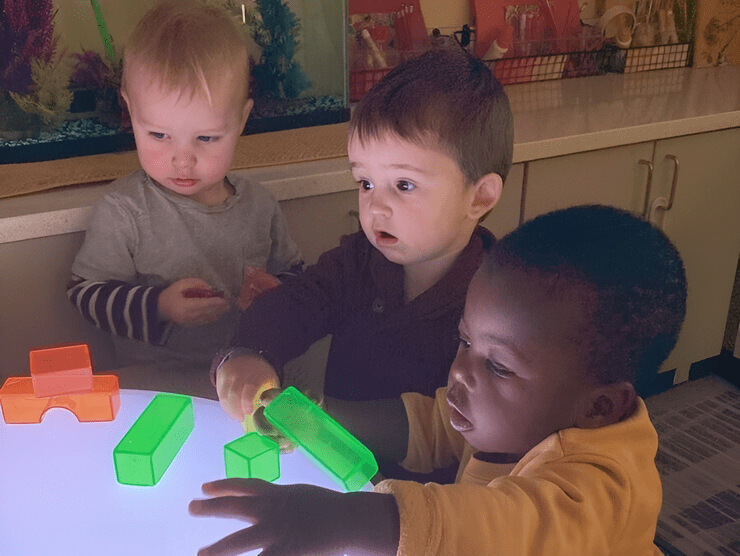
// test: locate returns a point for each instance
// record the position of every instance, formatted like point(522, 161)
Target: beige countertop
point(551, 118)
point(566, 116)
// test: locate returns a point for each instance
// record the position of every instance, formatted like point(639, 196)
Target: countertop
point(551, 118)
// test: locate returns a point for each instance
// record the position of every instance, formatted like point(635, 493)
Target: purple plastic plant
point(90, 71)
point(26, 34)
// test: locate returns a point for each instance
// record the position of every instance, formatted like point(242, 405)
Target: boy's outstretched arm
point(300, 520)
point(381, 425)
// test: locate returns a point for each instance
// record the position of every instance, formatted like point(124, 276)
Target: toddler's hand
point(190, 302)
point(240, 381)
point(295, 520)
point(256, 282)
point(264, 427)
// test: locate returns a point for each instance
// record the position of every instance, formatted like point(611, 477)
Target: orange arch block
point(20, 404)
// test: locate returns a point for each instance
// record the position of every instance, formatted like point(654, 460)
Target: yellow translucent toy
point(248, 423)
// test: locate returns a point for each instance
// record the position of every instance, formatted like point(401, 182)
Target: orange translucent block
point(20, 405)
point(61, 370)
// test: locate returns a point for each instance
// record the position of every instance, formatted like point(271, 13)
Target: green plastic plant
point(275, 29)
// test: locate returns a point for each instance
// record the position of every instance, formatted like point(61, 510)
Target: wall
point(448, 16)
point(35, 309)
point(78, 28)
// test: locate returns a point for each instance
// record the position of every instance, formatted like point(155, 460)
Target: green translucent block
point(252, 457)
point(322, 439)
point(148, 448)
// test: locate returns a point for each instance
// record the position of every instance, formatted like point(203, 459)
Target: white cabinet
point(704, 224)
point(317, 223)
point(609, 176)
point(704, 221)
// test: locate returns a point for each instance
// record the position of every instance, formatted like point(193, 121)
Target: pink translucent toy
point(61, 370)
point(20, 405)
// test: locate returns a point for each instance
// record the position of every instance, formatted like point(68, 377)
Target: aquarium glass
point(60, 69)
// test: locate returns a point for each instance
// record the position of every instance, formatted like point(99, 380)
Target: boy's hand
point(300, 520)
point(190, 302)
point(256, 282)
point(264, 427)
point(238, 382)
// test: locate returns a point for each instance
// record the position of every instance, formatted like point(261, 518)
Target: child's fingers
point(237, 487)
point(205, 311)
point(268, 395)
point(230, 498)
point(238, 507)
point(236, 543)
point(252, 396)
point(265, 428)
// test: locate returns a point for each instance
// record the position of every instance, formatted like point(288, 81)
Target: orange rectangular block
point(20, 405)
point(59, 370)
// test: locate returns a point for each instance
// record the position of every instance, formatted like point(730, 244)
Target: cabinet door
point(704, 224)
point(317, 223)
point(611, 176)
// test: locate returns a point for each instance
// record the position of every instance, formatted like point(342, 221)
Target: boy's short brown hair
point(444, 99)
point(188, 45)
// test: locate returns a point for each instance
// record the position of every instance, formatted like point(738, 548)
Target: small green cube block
point(148, 448)
point(252, 457)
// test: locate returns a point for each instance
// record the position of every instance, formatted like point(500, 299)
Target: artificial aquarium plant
point(275, 28)
point(32, 77)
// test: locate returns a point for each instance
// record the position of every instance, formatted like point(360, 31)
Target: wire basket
point(607, 59)
point(361, 81)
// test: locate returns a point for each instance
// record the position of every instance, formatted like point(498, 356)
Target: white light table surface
point(59, 495)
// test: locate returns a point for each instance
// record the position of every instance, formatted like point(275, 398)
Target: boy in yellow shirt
point(556, 449)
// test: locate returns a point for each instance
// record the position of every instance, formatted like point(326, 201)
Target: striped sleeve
point(120, 308)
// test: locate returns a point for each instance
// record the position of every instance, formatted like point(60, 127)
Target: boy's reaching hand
point(264, 427)
point(240, 380)
point(300, 520)
point(190, 302)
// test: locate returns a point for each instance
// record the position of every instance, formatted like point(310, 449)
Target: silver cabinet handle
point(661, 202)
point(675, 180)
point(648, 187)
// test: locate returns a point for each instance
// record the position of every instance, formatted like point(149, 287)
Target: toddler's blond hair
point(188, 45)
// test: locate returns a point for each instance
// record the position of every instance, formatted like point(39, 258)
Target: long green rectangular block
point(148, 448)
point(324, 441)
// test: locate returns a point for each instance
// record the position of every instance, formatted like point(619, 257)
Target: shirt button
point(378, 305)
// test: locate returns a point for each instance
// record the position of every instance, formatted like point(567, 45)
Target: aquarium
point(60, 65)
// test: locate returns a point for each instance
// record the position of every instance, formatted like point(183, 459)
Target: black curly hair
point(631, 274)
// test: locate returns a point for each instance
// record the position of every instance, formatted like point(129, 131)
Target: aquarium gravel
point(72, 129)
